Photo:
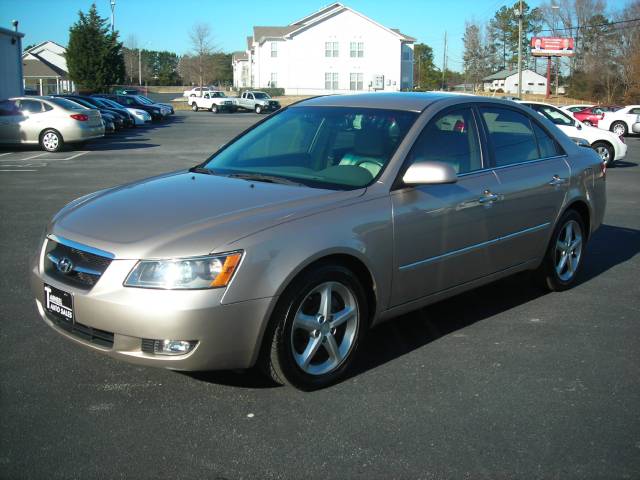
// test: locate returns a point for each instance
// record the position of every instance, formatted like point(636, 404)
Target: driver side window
point(451, 137)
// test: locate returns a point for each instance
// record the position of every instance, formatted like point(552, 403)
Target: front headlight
point(215, 271)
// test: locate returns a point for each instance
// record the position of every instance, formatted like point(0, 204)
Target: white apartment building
point(45, 69)
point(507, 81)
point(335, 50)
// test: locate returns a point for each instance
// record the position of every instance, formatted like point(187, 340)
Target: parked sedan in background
point(118, 120)
point(50, 122)
point(621, 121)
point(609, 146)
point(575, 108)
point(590, 116)
point(130, 101)
point(284, 253)
point(140, 117)
point(148, 101)
point(196, 91)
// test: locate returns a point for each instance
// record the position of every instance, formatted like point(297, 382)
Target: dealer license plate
point(58, 303)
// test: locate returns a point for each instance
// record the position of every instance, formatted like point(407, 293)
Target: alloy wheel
point(604, 153)
point(568, 251)
point(50, 141)
point(619, 129)
point(325, 328)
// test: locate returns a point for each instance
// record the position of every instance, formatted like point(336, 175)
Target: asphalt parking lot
point(502, 382)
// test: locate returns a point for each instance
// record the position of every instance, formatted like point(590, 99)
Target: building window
point(356, 49)
point(356, 82)
point(274, 49)
point(274, 80)
point(330, 49)
point(331, 81)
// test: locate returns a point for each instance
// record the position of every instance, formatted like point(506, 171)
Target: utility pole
point(444, 60)
point(520, 51)
point(113, 16)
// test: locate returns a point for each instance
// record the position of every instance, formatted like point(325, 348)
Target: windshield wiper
point(201, 169)
point(260, 177)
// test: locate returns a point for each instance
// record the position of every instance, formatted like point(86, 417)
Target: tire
point(194, 106)
point(606, 152)
point(619, 128)
point(588, 123)
point(554, 273)
point(214, 108)
point(51, 140)
point(304, 349)
point(258, 109)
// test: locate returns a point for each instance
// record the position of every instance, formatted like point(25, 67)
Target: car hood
point(186, 214)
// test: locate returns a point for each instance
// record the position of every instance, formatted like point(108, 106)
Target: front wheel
point(258, 109)
point(214, 108)
point(316, 328)
point(563, 258)
point(194, 106)
point(606, 152)
point(51, 141)
point(619, 128)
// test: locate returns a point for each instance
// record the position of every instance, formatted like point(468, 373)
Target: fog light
point(168, 347)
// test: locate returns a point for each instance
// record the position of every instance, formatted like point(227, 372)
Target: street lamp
point(518, 14)
point(113, 16)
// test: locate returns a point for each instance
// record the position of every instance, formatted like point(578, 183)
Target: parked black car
point(151, 102)
point(116, 119)
point(128, 118)
point(130, 101)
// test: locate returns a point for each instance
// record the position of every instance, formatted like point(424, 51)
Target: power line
point(589, 26)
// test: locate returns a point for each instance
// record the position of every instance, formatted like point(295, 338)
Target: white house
point(10, 64)
point(507, 81)
point(333, 50)
point(45, 69)
point(240, 64)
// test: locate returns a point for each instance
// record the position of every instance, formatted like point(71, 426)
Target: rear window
point(64, 103)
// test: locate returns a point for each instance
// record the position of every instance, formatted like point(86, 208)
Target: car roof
point(408, 101)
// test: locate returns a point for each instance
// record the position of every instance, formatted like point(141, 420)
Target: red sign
point(552, 46)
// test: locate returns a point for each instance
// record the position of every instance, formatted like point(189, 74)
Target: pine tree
point(94, 55)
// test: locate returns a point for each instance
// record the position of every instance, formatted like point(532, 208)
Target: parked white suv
point(609, 146)
point(622, 122)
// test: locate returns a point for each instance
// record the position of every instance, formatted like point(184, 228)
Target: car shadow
point(406, 333)
point(623, 164)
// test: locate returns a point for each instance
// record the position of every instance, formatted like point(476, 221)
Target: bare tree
point(475, 55)
point(131, 57)
point(200, 37)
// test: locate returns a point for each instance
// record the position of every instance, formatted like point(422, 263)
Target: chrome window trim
point(528, 162)
point(81, 246)
point(476, 246)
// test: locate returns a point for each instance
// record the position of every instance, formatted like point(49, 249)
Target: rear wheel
point(194, 106)
point(619, 128)
point(51, 141)
point(563, 258)
point(606, 152)
point(316, 328)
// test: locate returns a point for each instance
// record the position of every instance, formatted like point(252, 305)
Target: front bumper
point(228, 335)
point(621, 150)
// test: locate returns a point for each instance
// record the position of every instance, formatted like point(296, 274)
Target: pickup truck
point(214, 102)
point(258, 102)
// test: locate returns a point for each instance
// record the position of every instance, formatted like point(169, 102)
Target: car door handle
point(557, 180)
point(488, 197)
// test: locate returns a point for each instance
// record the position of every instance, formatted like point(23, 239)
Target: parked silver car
point(314, 225)
point(50, 122)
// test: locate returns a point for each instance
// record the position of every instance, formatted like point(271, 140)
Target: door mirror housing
point(429, 173)
point(578, 125)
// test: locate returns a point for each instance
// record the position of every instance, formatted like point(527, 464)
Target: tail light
point(603, 168)
point(602, 116)
point(81, 117)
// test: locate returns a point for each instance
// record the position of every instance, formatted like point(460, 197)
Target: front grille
point(87, 267)
point(84, 332)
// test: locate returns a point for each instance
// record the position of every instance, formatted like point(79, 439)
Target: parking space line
point(19, 170)
point(8, 153)
point(34, 156)
point(73, 156)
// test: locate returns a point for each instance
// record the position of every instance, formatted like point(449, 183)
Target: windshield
point(260, 95)
point(82, 102)
point(323, 147)
point(554, 114)
point(143, 100)
point(217, 94)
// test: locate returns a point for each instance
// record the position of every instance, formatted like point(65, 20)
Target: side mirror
point(578, 125)
point(581, 142)
point(429, 173)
